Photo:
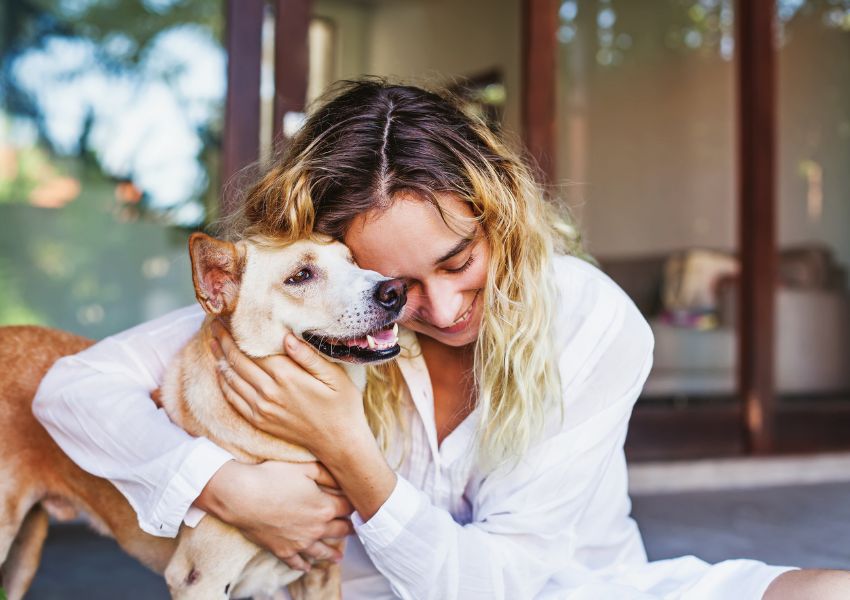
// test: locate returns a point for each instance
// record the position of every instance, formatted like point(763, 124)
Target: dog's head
point(310, 288)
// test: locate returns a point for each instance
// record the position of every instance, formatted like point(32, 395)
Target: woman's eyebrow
point(459, 247)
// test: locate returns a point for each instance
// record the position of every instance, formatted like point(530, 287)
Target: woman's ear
point(217, 268)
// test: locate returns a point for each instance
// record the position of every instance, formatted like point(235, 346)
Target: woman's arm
point(97, 407)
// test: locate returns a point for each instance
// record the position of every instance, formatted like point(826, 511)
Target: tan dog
point(264, 290)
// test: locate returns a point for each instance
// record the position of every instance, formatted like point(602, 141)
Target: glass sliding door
point(812, 321)
point(646, 160)
point(110, 126)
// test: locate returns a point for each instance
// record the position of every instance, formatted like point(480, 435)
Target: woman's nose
point(442, 306)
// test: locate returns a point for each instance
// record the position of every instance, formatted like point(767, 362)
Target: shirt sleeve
point(97, 407)
point(523, 537)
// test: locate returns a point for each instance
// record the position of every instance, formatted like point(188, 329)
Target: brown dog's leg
point(13, 510)
point(25, 553)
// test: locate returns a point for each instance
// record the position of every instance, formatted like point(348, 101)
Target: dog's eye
point(300, 277)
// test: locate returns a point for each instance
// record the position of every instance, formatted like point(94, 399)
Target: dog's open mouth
point(381, 344)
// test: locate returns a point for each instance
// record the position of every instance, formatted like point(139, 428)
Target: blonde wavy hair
point(369, 140)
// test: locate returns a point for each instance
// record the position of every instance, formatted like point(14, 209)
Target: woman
point(488, 461)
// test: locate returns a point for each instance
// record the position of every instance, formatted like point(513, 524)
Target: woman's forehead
point(410, 232)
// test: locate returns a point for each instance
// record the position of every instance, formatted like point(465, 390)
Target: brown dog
point(264, 290)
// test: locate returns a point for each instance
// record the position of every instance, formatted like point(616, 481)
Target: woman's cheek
point(409, 312)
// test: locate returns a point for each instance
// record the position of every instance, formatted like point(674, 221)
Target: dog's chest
point(193, 400)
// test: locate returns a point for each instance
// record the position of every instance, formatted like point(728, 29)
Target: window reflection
point(647, 144)
point(110, 121)
point(134, 96)
point(813, 203)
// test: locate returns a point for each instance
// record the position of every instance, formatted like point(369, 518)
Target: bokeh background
point(703, 147)
point(116, 141)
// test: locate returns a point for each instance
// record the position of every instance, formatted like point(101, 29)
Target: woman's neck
point(447, 358)
point(450, 371)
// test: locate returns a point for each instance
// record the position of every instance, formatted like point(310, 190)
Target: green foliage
point(104, 20)
point(24, 170)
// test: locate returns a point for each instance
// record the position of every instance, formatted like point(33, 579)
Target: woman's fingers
point(342, 507)
point(236, 400)
point(296, 562)
point(311, 361)
point(321, 551)
point(318, 473)
point(246, 368)
point(338, 529)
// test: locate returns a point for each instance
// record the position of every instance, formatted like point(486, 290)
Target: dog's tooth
point(395, 330)
point(371, 342)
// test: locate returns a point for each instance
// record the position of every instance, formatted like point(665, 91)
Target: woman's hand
point(301, 397)
point(287, 508)
point(307, 400)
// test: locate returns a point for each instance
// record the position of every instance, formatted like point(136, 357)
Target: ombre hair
point(369, 141)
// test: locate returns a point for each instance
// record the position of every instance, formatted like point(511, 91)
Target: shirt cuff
point(193, 474)
point(391, 519)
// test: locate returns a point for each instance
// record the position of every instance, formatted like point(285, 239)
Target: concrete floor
point(796, 525)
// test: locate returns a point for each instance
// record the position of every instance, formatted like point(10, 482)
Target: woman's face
point(445, 267)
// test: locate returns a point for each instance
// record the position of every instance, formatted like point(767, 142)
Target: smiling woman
point(487, 460)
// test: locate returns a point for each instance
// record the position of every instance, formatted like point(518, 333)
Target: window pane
point(111, 120)
point(813, 300)
point(646, 148)
point(473, 44)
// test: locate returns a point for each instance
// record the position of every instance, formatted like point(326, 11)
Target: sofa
point(696, 346)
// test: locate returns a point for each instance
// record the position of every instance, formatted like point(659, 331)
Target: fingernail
point(215, 347)
point(291, 342)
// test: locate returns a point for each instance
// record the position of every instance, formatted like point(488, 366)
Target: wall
point(430, 41)
point(648, 145)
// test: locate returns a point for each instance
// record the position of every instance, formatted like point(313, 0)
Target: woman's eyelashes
point(464, 266)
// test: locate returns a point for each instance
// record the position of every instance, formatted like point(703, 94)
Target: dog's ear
point(216, 272)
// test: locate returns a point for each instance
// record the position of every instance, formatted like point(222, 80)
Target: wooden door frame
point(539, 92)
point(243, 39)
point(241, 137)
point(756, 137)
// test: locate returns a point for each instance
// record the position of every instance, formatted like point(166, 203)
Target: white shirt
point(556, 526)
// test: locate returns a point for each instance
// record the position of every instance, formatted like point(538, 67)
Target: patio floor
point(806, 526)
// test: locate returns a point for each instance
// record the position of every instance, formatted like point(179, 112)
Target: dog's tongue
point(386, 335)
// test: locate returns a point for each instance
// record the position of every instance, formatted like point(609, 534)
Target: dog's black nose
point(392, 294)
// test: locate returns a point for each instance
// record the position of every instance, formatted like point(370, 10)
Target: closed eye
point(464, 266)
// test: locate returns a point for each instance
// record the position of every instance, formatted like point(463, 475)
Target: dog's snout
point(391, 294)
